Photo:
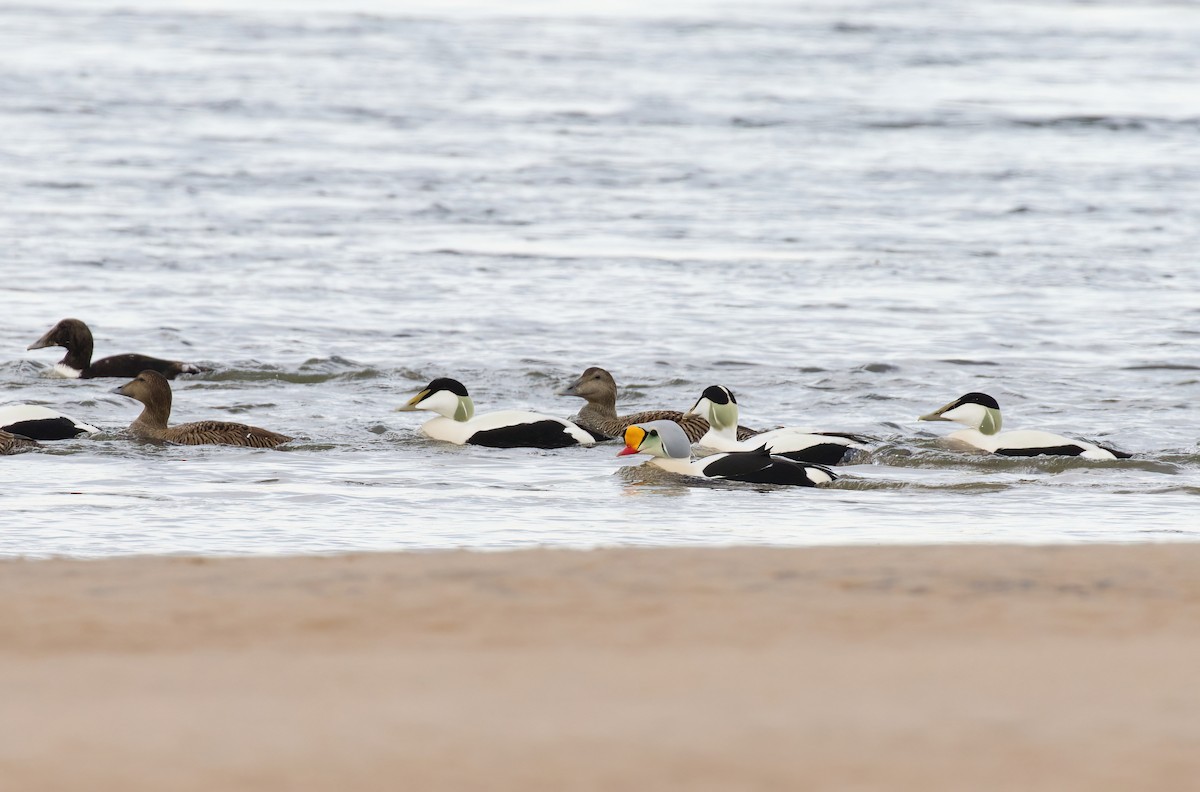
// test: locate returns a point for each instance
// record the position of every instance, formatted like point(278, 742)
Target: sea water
point(850, 213)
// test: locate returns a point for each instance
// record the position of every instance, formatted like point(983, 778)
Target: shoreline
point(865, 667)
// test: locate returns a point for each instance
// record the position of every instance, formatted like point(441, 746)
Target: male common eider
point(41, 423)
point(667, 443)
point(456, 421)
point(599, 415)
point(14, 444)
point(76, 338)
point(719, 406)
point(153, 391)
point(981, 413)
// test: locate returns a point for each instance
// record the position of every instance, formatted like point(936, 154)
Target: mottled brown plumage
point(14, 443)
point(153, 391)
point(599, 415)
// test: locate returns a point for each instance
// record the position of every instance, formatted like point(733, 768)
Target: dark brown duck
point(14, 443)
point(76, 338)
point(153, 391)
point(599, 416)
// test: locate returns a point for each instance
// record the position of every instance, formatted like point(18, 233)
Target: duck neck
point(990, 423)
point(723, 421)
point(155, 415)
point(598, 409)
point(79, 354)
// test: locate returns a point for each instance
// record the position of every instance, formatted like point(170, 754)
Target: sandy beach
point(922, 668)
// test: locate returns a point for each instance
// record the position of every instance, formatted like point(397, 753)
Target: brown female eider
point(76, 338)
point(599, 415)
point(153, 391)
point(14, 444)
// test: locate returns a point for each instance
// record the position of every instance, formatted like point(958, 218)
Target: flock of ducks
point(788, 455)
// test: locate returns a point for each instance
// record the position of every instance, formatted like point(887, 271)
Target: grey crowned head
point(658, 438)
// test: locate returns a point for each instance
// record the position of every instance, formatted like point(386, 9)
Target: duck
point(76, 338)
point(14, 443)
point(667, 442)
point(599, 416)
point(457, 423)
point(719, 407)
point(154, 391)
point(980, 413)
point(42, 423)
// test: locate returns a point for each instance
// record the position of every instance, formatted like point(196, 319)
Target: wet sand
point(899, 668)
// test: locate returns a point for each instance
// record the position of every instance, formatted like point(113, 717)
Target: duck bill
point(569, 390)
point(936, 415)
point(627, 450)
point(412, 403)
point(42, 342)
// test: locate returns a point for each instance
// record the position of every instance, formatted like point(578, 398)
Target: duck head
point(975, 410)
point(657, 438)
point(594, 383)
point(69, 333)
point(718, 406)
point(148, 387)
point(444, 396)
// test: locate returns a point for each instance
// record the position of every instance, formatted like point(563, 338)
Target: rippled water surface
point(850, 213)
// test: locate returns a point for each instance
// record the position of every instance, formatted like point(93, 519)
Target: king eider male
point(719, 406)
point(981, 413)
point(456, 421)
point(41, 423)
point(154, 392)
point(599, 415)
point(667, 443)
point(14, 444)
point(76, 338)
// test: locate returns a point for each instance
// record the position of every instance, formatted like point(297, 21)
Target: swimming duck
point(719, 406)
point(981, 414)
point(41, 423)
point(75, 336)
point(154, 391)
point(456, 421)
point(669, 445)
point(599, 415)
point(14, 444)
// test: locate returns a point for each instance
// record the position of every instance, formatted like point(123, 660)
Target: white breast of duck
point(456, 421)
point(63, 371)
point(42, 423)
point(980, 413)
point(719, 407)
point(672, 452)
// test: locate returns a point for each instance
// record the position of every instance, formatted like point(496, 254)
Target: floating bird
point(667, 443)
point(981, 414)
point(14, 444)
point(154, 392)
point(76, 338)
point(719, 407)
point(41, 423)
point(456, 421)
point(599, 415)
